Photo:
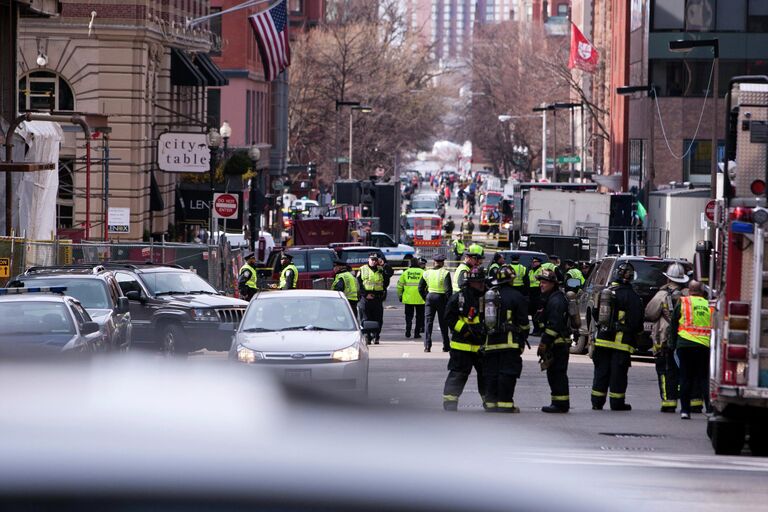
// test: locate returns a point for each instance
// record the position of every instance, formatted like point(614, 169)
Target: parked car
point(177, 309)
point(311, 262)
point(305, 336)
point(427, 203)
point(491, 202)
point(649, 278)
point(396, 254)
point(526, 257)
point(97, 291)
point(43, 321)
point(357, 256)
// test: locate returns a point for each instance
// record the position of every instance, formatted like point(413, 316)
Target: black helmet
point(548, 275)
point(625, 272)
point(505, 275)
point(476, 275)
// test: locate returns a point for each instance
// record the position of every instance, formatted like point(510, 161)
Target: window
point(65, 199)
point(700, 15)
point(732, 15)
point(698, 161)
point(668, 14)
point(215, 27)
point(214, 107)
point(44, 90)
point(320, 261)
point(758, 16)
point(296, 6)
point(127, 283)
point(690, 78)
point(562, 10)
point(636, 159)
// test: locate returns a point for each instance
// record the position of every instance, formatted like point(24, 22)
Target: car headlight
point(205, 315)
point(248, 356)
point(347, 354)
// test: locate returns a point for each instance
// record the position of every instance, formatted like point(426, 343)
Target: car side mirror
point(370, 326)
point(122, 305)
point(135, 296)
point(89, 328)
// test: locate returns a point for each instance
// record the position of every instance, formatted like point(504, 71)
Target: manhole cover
point(630, 435)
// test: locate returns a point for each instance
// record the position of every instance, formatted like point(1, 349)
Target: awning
point(184, 72)
point(210, 70)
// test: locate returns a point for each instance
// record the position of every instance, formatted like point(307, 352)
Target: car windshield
point(650, 273)
point(160, 283)
point(492, 199)
point(426, 204)
point(91, 293)
point(298, 314)
point(35, 318)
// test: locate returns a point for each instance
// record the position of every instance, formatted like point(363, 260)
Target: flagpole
point(244, 5)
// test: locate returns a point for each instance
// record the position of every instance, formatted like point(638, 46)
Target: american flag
point(271, 27)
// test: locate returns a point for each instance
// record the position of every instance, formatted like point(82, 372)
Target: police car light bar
point(43, 289)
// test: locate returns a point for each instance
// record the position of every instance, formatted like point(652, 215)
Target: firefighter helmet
point(548, 275)
point(476, 275)
point(625, 272)
point(505, 275)
point(676, 273)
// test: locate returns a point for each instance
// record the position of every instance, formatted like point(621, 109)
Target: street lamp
point(214, 141)
point(647, 181)
point(226, 133)
point(254, 217)
point(685, 46)
point(364, 109)
point(543, 108)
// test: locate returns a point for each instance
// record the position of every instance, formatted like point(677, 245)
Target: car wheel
point(758, 440)
point(173, 341)
point(727, 437)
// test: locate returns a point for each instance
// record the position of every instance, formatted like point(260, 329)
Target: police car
point(44, 321)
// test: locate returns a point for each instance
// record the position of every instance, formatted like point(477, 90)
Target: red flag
point(583, 55)
point(271, 28)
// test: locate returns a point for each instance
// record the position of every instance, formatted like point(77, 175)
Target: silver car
point(310, 337)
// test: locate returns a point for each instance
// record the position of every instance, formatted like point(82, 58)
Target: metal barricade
point(626, 240)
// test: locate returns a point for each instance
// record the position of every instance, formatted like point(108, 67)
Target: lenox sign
point(183, 152)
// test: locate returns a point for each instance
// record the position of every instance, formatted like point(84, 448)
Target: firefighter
point(553, 349)
point(436, 288)
point(473, 256)
point(659, 311)
point(458, 247)
point(534, 292)
point(246, 278)
point(496, 262)
point(464, 314)
point(408, 294)
point(373, 285)
point(289, 276)
point(506, 318)
point(689, 333)
point(346, 283)
point(467, 228)
point(573, 272)
point(620, 323)
point(521, 283)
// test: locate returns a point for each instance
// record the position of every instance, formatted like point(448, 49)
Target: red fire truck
point(738, 274)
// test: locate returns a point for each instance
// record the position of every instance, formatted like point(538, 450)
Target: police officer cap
point(536, 258)
point(554, 257)
point(287, 256)
point(422, 261)
point(250, 255)
point(439, 257)
point(570, 262)
point(373, 255)
point(514, 257)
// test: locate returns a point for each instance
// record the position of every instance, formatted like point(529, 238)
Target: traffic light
point(311, 171)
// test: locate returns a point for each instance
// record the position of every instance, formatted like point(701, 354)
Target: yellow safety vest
point(288, 267)
point(463, 267)
point(520, 271)
point(461, 345)
point(350, 285)
point(435, 278)
point(548, 266)
point(459, 247)
point(250, 283)
point(575, 273)
point(533, 276)
point(408, 286)
point(373, 280)
point(695, 320)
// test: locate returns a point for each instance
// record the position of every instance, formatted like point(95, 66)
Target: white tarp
point(38, 190)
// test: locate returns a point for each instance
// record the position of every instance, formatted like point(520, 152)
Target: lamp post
point(254, 216)
point(648, 179)
point(505, 118)
point(570, 107)
point(339, 104)
point(214, 141)
point(685, 46)
point(365, 110)
point(226, 133)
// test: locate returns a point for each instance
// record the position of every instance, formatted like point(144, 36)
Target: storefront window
point(44, 90)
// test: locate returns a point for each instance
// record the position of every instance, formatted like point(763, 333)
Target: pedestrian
point(467, 227)
point(521, 283)
point(553, 349)
point(464, 314)
point(247, 284)
point(447, 194)
point(460, 198)
point(618, 331)
point(346, 283)
point(289, 276)
point(659, 311)
point(496, 263)
point(494, 219)
point(408, 294)
point(472, 258)
point(689, 336)
point(507, 337)
point(436, 288)
point(373, 286)
point(449, 226)
point(534, 292)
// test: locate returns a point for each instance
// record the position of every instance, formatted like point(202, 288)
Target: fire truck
point(738, 275)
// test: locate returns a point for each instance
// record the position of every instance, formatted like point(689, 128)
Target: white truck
point(676, 221)
point(738, 275)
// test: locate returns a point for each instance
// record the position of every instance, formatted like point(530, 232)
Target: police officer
point(289, 276)
point(659, 311)
point(246, 278)
point(618, 330)
point(373, 285)
point(521, 282)
point(534, 292)
point(449, 226)
point(408, 294)
point(496, 262)
point(472, 258)
point(572, 272)
point(346, 283)
point(689, 334)
point(553, 263)
point(464, 313)
point(467, 227)
point(555, 341)
point(435, 287)
point(506, 317)
point(458, 247)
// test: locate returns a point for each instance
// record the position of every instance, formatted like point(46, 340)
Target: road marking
point(406, 354)
point(402, 379)
point(394, 401)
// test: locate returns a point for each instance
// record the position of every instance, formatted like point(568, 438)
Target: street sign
point(119, 220)
point(5, 267)
point(341, 160)
point(183, 152)
point(225, 206)
point(569, 159)
point(709, 210)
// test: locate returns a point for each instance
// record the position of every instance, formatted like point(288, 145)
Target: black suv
point(97, 291)
point(177, 309)
point(649, 277)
